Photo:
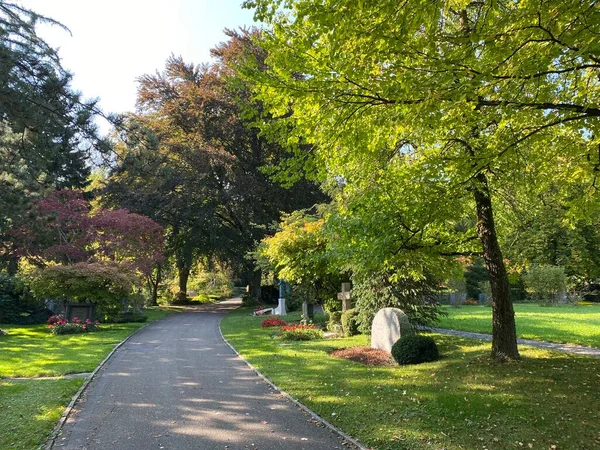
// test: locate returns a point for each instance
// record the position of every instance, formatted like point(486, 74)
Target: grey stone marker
point(345, 297)
point(389, 325)
point(82, 311)
point(308, 310)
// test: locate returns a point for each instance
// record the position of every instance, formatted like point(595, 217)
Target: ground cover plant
point(574, 324)
point(463, 400)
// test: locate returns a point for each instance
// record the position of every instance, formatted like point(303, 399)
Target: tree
point(193, 160)
point(68, 232)
point(299, 253)
point(46, 129)
point(453, 100)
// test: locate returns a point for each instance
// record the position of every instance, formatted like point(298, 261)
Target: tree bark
point(254, 280)
point(504, 332)
point(184, 275)
point(154, 284)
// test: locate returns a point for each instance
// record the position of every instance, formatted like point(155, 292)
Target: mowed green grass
point(561, 323)
point(32, 351)
point(30, 410)
point(463, 401)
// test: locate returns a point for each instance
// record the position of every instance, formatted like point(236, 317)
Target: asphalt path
point(176, 385)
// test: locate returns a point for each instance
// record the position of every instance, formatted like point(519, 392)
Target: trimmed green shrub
point(373, 291)
point(415, 350)
point(335, 321)
point(350, 323)
point(129, 317)
point(17, 305)
point(546, 283)
point(104, 283)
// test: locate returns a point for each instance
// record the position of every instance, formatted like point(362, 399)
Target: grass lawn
point(31, 350)
point(463, 401)
point(562, 323)
point(29, 409)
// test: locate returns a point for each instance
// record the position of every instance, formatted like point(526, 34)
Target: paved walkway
point(567, 348)
point(176, 385)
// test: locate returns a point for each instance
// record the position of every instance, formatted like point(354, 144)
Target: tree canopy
point(46, 129)
point(435, 108)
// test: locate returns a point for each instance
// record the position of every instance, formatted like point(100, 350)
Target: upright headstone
point(283, 290)
point(389, 325)
point(82, 311)
point(308, 310)
point(345, 297)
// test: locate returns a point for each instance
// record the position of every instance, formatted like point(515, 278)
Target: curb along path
point(177, 385)
point(566, 348)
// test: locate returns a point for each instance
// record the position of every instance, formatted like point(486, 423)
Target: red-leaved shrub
point(273, 322)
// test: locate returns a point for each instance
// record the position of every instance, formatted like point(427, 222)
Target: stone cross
point(345, 297)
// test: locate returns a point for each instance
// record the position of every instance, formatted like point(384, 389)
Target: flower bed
point(273, 322)
point(300, 332)
point(59, 325)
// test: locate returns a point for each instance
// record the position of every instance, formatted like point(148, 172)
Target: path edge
point(51, 440)
point(300, 405)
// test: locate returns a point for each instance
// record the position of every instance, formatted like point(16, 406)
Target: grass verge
point(30, 410)
point(32, 351)
point(462, 401)
point(562, 323)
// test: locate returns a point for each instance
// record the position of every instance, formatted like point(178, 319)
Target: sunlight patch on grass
point(464, 400)
point(561, 323)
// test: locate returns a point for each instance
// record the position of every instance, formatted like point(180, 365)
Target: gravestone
point(345, 297)
point(308, 310)
point(82, 311)
point(389, 325)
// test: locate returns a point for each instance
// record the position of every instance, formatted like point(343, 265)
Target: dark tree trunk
point(184, 275)
point(154, 284)
point(504, 333)
point(254, 279)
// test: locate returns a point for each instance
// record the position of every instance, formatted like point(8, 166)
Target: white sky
point(115, 41)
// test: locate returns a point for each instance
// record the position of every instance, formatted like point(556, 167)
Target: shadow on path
point(177, 385)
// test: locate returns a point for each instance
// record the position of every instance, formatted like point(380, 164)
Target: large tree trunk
point(184, 275)
point(504, 332)
point(254, 280)
point(154, 284)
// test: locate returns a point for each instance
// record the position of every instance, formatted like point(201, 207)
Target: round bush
point(349, 322)
point(415, 350)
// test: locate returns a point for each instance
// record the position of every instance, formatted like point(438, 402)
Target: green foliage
point(423, 121)
point(129, 317)
point(46, 129)
point(414, 297)
point(73, 327)
point(106, 284)
point(210, 282)
point(475, 274)
point(335, 322)
point(350, 322)
point(415, 349)
point(17, 306)
point(332, 305)
point(546, 283)
point(299, 254)
point(300, 332)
